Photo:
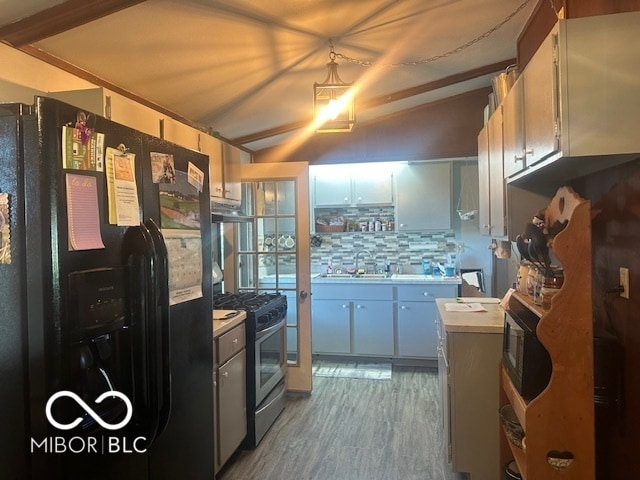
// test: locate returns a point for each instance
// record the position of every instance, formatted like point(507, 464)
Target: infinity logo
point(89, 410)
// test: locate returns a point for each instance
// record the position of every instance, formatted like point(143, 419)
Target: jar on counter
point(550, 287)
point(521, 278)
point(531, 280)
point(537, 287)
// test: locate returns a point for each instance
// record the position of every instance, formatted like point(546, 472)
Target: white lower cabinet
point(373, 328)
point(417, 336)
point(377, 320)
point(230, 394)
point(331, 326)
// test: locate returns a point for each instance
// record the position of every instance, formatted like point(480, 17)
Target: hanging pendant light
point(333, 101)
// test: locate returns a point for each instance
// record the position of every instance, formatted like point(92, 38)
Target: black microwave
point(525, 359)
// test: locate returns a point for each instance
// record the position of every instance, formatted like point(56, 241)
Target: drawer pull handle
point(225, 374)
point(425, 294)
point(359, 306)
point(345, 306)
point(403, 307)
point(235, 341)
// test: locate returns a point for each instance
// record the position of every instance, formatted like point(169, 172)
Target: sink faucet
point(358, 257)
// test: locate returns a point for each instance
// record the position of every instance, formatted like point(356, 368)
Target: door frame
point(299, 374)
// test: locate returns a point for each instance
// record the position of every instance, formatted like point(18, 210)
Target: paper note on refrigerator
point(83, 214)
point(122, 190)
point(82, 149)
point(184, 249)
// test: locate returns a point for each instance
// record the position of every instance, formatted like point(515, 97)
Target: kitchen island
point(469, 356)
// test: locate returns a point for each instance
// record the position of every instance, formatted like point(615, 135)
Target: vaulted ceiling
point(246, 68)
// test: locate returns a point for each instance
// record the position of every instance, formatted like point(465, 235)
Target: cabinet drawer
point(230, 343)
point(427, 292)
point(351, 291)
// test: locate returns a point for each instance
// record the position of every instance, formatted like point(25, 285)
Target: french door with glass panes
point(272, 253)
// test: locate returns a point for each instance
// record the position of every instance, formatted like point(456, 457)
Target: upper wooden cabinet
point(576, 99)
point(332, 190)
point(231, 161)
point(423, 197)
point(224, 164)
point(492, 208)
point(212, 147)
point(513, 129)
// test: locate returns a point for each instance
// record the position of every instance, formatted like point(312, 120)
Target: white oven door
point(271, 363)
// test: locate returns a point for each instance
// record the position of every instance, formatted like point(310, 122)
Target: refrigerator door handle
point(163, 322)
point(139, 253)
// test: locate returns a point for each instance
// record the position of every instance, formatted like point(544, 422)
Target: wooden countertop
point(225, 324)
point(491, 321)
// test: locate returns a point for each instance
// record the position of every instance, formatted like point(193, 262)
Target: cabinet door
point(373, 190)
point(513, 129)
point(417, 333)
point(180, 133)
point(496, 176)
point(332, 190)
point(331, 326)
point(484, 206)
point(231, 158)
point(373, 328)
point(540, 102)
point(423, 197)
point(213, 148)
point(232, 406)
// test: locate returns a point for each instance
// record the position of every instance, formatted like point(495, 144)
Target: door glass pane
point(246, 271)
point(286, 200)
point(267, 248)
point(246, 237)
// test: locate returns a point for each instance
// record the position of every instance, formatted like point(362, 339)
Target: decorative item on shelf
point(466, 209)
point(316, 241)
point(503, 82)
point(551, 285)
point(334, 106)
point(512, 426)
point(328, 224)
point(559, 460)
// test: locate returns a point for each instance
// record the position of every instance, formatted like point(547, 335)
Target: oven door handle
point(268, 331)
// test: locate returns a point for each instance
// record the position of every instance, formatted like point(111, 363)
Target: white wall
point(475, 253)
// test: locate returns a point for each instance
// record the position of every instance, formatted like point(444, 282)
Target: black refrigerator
point(106, 352)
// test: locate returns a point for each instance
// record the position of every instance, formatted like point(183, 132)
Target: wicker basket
point(321, 228)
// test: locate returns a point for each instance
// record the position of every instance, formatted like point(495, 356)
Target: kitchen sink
point(359, 276)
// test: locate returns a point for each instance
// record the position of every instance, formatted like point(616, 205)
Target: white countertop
point(393, 279)
point(491, 321)
point(223, 325)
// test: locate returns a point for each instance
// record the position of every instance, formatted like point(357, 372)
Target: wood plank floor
point(354, 429)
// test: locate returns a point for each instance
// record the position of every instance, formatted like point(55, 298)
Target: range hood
point(226, 213)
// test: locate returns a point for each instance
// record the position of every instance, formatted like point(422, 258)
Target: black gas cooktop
point(263, 309)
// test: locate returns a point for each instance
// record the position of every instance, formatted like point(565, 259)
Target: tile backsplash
point(404, 249)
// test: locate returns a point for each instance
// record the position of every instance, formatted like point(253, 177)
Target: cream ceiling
point(245, 68)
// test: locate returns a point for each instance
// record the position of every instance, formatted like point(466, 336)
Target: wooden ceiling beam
point(437, 84)
point(59, 18)
point(389, 98)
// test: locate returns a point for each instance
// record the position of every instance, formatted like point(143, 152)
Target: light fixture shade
point(333, 103)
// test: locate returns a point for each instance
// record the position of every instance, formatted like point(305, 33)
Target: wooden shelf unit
point(561, 418)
